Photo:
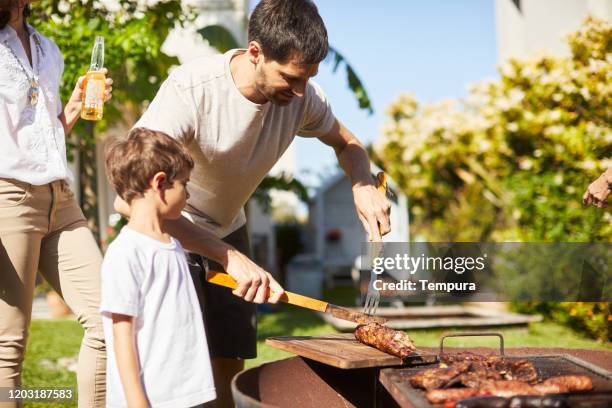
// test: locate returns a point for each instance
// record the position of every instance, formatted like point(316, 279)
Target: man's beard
point(275, 97)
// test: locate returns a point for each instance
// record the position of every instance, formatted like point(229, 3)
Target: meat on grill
point(549, 388)
point(491, 376)
point(521, 370)
point(433, 378)
point(390, 341)
point(477, 376)
point(512, 388)
point(450, 395)
point(473, 371)
point(570, 382)
point(506, 389)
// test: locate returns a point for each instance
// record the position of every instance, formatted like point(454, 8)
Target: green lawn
point(51, 342)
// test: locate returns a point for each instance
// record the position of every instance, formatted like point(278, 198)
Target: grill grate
point(396, 381)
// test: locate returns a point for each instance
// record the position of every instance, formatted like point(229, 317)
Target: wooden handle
point(223, 279)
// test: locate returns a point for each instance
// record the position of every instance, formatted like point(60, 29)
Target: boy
point(156, 345)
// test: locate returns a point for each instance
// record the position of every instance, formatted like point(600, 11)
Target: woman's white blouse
point(32, 140)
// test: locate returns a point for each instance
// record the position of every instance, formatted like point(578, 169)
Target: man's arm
point(253, 281)
point(127, 360)
point(372, 207)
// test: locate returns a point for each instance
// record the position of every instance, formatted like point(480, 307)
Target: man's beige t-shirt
point(234, 142)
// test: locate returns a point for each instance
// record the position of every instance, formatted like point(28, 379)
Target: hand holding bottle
point(73, 108)
point(94, 84)
point(79, 89)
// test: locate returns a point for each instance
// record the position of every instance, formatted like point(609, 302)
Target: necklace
point(33, 91)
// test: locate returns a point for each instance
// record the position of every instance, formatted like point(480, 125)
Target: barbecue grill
point(314, 379)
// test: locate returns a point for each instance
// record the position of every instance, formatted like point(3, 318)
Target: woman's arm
point(127, 361)
point(72, 110)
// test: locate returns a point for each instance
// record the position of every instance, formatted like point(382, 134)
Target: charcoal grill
point(301, 382)
point(396, 380)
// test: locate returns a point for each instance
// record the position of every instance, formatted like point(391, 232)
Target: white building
point(528, 27)
point(335, 232)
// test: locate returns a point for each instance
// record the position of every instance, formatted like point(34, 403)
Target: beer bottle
point(93, 100)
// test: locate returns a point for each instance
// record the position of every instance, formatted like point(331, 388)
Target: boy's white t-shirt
point(150, 280)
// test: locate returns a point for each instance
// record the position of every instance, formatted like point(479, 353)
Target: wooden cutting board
point(342, 350)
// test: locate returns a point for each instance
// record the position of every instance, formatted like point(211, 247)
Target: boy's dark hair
point(131, 163)
point(289, 28)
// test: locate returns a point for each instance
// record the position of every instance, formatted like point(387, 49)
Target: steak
point(390, 341)
point(432, 378)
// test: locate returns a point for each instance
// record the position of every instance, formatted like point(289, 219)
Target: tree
point(512, 160)
point(133, 35)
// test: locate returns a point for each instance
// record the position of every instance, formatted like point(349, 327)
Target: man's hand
point(253, 281)
point(372, 206)
point(373, 210)
point(598, 191)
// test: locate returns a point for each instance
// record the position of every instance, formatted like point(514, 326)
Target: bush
point(591, 318)
point(512, 161)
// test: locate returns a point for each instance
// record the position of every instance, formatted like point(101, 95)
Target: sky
point(431, 48)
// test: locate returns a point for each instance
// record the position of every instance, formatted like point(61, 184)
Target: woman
point(41, 225)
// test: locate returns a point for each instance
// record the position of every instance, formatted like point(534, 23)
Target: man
point(237, 113)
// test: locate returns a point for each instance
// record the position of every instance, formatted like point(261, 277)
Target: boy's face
point(174, 198)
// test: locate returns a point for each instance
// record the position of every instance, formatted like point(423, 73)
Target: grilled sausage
point(507, 389)
point(570, 382)
point(450, 395)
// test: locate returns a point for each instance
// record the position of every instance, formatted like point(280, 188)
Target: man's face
point(280, 82)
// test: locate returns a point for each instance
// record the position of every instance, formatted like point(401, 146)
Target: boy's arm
point(253, 281)
point(127, 361)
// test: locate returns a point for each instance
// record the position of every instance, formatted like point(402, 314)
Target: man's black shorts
point(231, 323)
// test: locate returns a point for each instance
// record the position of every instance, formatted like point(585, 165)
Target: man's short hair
point(289, 29)
point(132, 162)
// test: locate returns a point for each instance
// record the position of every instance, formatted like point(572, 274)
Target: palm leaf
point(219, 38)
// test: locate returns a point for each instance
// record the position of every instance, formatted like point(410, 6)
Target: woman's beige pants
point(42, 228)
